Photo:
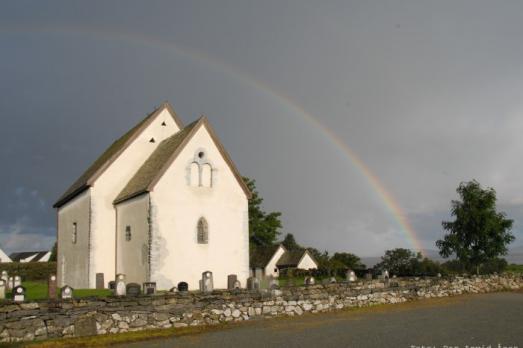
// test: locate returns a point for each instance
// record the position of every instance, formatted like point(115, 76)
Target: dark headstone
point(253, 283)
point(112, 285)
point(100, 280)
point(149, 288)
point(183, 286)
point(133, 289)
point(19, 293)
point(51, 287)
point(67, 292)
point(231, 280)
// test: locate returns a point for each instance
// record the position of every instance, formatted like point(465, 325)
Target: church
point(162, 204)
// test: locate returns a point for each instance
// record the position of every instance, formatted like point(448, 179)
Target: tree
point(350, 261)
point(53, 253)
point(263, 227)
point(478, 233)
point(398, 261)
point(290, 243)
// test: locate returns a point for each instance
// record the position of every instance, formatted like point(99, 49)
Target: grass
point(515, 268)
point(37, 290)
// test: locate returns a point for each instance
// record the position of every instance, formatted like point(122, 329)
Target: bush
point(29, 271)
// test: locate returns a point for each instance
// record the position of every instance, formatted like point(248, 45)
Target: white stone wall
point(72, 258)
point(109, 185)
point(176, 207)
point(271, 268)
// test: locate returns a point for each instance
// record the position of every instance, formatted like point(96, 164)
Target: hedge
point(29, 270)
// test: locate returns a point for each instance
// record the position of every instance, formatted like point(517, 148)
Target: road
point(474, 320)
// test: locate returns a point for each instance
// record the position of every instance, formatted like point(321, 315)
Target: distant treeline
point(29, 270)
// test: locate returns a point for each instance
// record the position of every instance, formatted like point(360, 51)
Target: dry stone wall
point(97, 316)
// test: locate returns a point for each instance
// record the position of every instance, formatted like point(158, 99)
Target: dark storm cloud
point(427, 94)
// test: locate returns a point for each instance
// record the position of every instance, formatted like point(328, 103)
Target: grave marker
point(207, 283)
point(120, 288)
point(17, 281)
point(231, 280)
point(351, 276)
point(253, 283)
point(51, 287)
point(100, 280)
point(183, 286)
point(132, 289)
point(2, 289)
point(149, 288)
point(19, 294)
point(67, 292)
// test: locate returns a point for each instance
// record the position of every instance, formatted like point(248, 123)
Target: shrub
point(29, 270)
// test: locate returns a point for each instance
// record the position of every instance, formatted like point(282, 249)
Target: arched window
point(203, 231)
point(128, 233)
point(206, 179)
point(74, 235)
point(195, 174)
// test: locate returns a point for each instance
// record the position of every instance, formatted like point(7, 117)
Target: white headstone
point(17, 281)
point(207, 283)
point(4, 277)
point(67, 292)
point(19, 294)
point(10, 282)
point(385, 274)
point(2, 289)
point(120, 285)
point(351, 276)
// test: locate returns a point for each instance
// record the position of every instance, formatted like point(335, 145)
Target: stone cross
point(253, 283)
point(17, 281)
point(67, 292)
point(120, 288)
point(2, 289)
point(149, 288)
point(351, 276)
point(207, 283)
point(51, 287)
point(100, 280)
point(19, 294)
point(183, 286)
point(231, 280)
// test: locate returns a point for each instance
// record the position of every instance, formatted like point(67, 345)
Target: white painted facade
point(307, 262)
point(272, 268)
point(4, 257)
point(163, 247)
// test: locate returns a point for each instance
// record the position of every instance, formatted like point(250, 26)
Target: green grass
point(514, 268)
point(37, 290)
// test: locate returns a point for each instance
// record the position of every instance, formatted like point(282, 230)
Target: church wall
point(132, 255)
point(109, 185)
point(271, 268)
point(307, 262)
point(72, 258)
point(176, 207)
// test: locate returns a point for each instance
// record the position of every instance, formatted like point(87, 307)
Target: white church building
point(162, 204)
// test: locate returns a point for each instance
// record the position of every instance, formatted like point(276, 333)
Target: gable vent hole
point(164, 124)
point(152, 140)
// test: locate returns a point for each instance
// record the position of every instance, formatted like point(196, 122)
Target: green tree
point(398, 261)
point(290, 243)
point(53, 253)
point(263, 227)
point(478, 233)
point(350, 261)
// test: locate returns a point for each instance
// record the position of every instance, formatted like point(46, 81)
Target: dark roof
point(260, 256)
point(291, 258)
point(16, 257)
point(116, 148)
point(147, 173)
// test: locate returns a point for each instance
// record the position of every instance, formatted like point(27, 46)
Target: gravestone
point(253, 283)
point(273, 283)
point(231, 280)
point(132, 289)
point(120, 285)
point(17, 281)
point(149, 288)
point(258, 273)
point(51, 287)
point(385, 274)
point(100, 280)
point(237, 285)
point(5, 278)
point(332, 280)
point(2, 289)
point(351, 276)
point(439, 275)
point(112, 285)
point(67, 292)
point(183, 286)
point(10, 282)
point(310, 280)
point(207, 283)
point(19, 294)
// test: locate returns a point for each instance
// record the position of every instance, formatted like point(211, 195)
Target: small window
point(75, 233)
point(152, 140)
point(203, 231)
point(275, 270)
point(164, 124)
point(127, 233)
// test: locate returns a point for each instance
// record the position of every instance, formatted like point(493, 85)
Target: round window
point(201, 154)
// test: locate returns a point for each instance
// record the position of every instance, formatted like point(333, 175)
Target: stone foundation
point(97, 316)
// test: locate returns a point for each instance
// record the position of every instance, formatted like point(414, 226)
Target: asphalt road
point(473, 321)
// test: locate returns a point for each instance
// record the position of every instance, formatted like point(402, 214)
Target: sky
point(357, 119)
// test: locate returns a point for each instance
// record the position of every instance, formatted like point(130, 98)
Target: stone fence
point(96, 316)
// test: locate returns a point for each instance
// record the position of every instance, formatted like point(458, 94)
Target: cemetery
point(134, 307)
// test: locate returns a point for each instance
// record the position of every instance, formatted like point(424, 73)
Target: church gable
point(163, 120)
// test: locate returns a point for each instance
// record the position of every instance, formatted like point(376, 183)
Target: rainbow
point(374, 182)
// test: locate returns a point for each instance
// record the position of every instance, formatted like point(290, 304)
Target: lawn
point(38, 291)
